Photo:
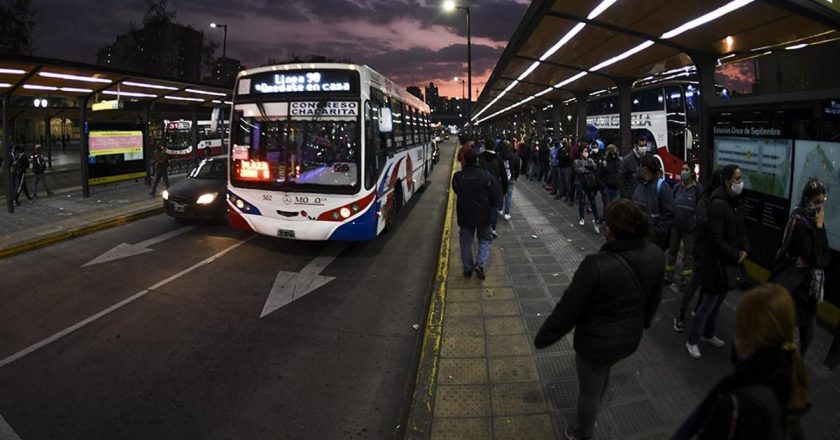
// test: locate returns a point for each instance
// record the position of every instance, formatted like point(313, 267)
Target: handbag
point(734, 275)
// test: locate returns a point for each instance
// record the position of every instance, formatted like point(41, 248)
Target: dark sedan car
point(201, 196)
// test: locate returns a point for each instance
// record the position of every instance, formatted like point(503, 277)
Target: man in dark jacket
point(478, 198)
point(656, 198)
point(612, 297)
point(494, 165)
point(630, 177)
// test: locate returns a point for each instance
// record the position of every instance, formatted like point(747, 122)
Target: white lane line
point(118, 305)
point(6, 431)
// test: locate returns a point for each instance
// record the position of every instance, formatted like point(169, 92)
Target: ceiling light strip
point(204, 92)
point(149, 86)
point(12, 71)
point(129, 94)
point(705, 18)
point(183, 98)
point(74, 77)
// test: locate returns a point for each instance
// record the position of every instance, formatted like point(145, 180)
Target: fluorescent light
point(12, 71)
point(510, 86)
point(571, 80)
point(229, 102)
point(38, 87)
point(530, 69)
point(149, 86)
point(726, 57)
point(130, 94)
point(183, 98)
point(75, 89)
point(599, 9)
point(618, 58)
point(569, 35)
point(216, 101)
point(203, 92)
point(544, 91)
point(4, 85)
point(703, 19)
point(74, 77)
point(796, 46)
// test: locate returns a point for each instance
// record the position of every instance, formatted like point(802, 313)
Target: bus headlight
point(165, 195)
point(344, 212)
point(206, 199)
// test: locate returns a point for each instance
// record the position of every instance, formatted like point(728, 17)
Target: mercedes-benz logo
point(287, 200)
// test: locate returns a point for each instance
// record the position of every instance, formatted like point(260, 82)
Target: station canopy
point(40, 77)
point(565, 48)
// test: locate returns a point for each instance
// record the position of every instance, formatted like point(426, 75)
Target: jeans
point(592, 386)
point(554, 176)
point(706, 317)
point(564, 187)
point(608, 196)
point(687, 240)
point(584, 194)
point(690, 290)
point(485, 237)
point(40, 177)
point(509, 196)
point(159, 176)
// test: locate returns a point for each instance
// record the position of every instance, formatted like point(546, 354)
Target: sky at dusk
point(411, 41)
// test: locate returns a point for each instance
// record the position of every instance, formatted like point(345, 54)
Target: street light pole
point(450, 5)
point(224, 39)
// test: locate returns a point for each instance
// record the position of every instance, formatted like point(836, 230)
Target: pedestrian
point(686, 195)
point(39, 167)
point(768, 391)
point(494, 164)
point(609, 169)
point(803, 257)
point(543, 157)
point(630, 167)
point(161, 168)
point(514, 165)
point(478, 198)
point(554, 162)
point(727, 249)
point(466, 141)
point(587, 185)
point(20, 163)
point(613, 296)
point(656, 198)
point(701, 221)
point(565, 171)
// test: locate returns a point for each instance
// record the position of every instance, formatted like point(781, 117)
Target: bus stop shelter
point(30, 87)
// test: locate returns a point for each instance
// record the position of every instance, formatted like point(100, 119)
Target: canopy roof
point(564, 48)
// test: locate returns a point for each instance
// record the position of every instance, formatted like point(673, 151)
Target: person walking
point(493, 163)
point(161, 168)
point(554, 162)
point(728, 249)
point(656, 198)
point(686, 195)
point(39, 167)
point(588, 183)
point(478, 198)
point(613, 296)
point(768, 392)
point(466, 141)
point(803, 257)
point(20, 163)
point(514, 165)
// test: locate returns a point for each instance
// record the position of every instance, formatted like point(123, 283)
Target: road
point(169, 344)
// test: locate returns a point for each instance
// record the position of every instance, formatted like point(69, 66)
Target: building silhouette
point(432, 97)
point(414, 90)
point(166, 49)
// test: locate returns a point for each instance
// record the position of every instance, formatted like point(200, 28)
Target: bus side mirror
point(386, 120)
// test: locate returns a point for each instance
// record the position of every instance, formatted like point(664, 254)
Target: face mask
point(584, 155)
point(737, 187)
point(686, 176)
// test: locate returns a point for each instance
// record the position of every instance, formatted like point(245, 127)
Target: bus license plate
point(285, 233)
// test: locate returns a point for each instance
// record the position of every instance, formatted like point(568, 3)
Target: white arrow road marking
point(119, 305)
point(6, 431)
point(125, 250)
point(289, 286)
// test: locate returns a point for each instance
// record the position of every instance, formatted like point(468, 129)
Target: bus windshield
point(178, 139)
point(295, 154)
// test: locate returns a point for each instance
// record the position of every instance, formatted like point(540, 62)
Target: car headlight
point(165, 195)
point(206, 199)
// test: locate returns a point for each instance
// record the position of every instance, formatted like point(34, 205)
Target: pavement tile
point(532, 427)
point(634, 417)
point(462, 401)
point(532, 307)
point(504, 326)
point(562, 394)
point(463, 309)
point(463, 294)
point(495, 281)
point(500, 308)
point(444, 428)
point(557, 366)
point(463, 346)
point(519, 398)
point(500, 293)
point(508, 345)
point(462, 326)
point(513, 369)
point(462, 371)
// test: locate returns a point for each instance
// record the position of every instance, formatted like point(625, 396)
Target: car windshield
point(210, 169)
point(312, 154)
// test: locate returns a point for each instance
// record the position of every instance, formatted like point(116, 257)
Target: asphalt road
point(191, 358)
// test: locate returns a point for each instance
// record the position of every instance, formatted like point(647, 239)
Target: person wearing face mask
point(609, 168)
point(803, 257)
point(630, 167)
point(768, 392)
point(612, 298)
point(656, 198)
point(728, 246)
point(588, 184)
point(686, 195)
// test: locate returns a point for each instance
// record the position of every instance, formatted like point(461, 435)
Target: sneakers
point(679, 325)
point(507, 217)
point(714, 341)
point(693, 351)
point(582, 222)
point(574, 434)
point(495, 235)
point(479, 272)
point(597, 228)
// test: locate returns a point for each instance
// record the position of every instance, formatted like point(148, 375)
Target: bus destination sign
point(305, 81)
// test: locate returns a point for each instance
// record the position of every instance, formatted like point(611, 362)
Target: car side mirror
point(386, 120)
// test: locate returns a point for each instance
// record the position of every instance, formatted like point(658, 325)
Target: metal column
point(540, 128)
point(194, 133)
point(147, 180)
point(48, 138)
point(83, 148)
point(706, 72)
point(555, 118)
point(582, 99)
point(7, 159)
point(625, 110)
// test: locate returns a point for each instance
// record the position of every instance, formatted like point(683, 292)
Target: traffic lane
point(48, 290)
point(291, 373)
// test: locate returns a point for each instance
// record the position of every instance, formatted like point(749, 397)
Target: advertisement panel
point(115, 153)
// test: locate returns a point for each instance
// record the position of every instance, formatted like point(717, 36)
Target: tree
point(17, 21)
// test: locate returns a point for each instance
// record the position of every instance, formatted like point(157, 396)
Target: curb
point(420, 415)
point(57, 237)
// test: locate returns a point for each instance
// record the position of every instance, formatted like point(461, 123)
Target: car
point(201, 196)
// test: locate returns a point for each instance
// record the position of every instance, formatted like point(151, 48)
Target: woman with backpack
point(686, 195)
point(588, 184)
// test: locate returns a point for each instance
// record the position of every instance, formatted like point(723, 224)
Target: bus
point(324, 151)
point(178, 138)
point(665, 113)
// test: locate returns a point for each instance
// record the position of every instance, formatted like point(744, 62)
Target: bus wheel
point(425, 178)
point(396, 204)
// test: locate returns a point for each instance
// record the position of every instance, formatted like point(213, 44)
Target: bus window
point(399, 125)
point(648, 100)
point(675, 117)
point(410, 131)
point(374, 157)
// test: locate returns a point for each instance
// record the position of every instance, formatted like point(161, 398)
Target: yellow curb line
point(76, 232)
point(420, 415)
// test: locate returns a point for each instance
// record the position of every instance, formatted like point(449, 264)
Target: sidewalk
point(491, 383)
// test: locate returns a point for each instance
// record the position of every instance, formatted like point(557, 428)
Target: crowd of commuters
point(655, 224)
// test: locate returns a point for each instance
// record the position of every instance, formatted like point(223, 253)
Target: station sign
point(106, 105)
point(300, 82)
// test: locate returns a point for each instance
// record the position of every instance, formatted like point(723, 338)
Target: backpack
point(39, 165)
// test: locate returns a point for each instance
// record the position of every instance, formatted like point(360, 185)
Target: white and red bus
point(178, 138)
point(324, 151)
